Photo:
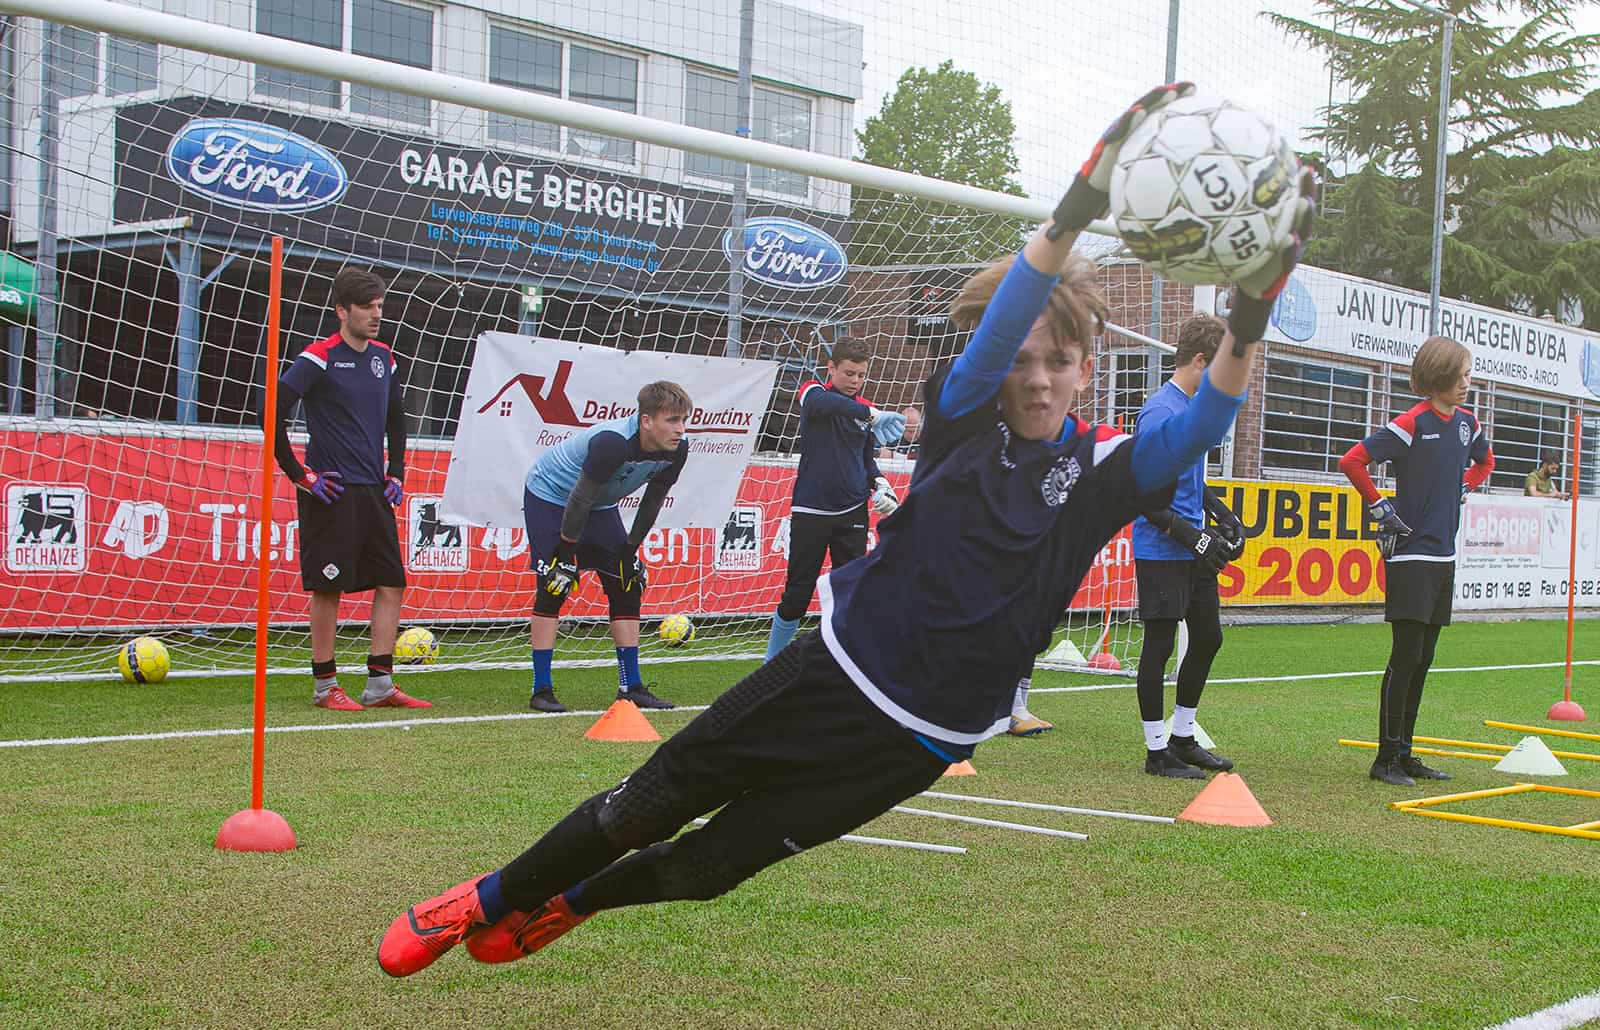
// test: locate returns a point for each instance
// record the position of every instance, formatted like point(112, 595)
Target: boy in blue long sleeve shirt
point(922, 641)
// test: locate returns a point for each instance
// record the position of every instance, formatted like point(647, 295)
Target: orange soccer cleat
point(336, 700)
point(398, 698)
point(429, 929)
point(522, 933)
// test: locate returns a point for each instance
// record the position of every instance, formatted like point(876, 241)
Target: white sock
point(1155, 734)
point(1019, 704)
point(1183, 721)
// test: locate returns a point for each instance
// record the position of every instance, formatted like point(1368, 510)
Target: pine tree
point(1522, 198)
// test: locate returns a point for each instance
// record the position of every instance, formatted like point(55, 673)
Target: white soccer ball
point(1197, 188)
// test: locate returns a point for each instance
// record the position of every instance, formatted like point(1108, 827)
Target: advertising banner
point(526, 395)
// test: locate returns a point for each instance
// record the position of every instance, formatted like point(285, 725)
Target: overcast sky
point(1070, 66)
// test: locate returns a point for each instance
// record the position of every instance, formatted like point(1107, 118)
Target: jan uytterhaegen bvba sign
point(415, 200)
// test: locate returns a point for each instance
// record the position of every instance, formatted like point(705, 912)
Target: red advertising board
point(107, 530)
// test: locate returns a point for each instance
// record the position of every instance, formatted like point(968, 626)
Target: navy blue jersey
point(608, 453)
point(1188, 502)
point(1430, 455)
point(347, 394)
point(940, 620)
point(837, 452)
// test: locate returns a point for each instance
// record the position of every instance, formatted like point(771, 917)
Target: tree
point(947, 125)
point(1522, 198)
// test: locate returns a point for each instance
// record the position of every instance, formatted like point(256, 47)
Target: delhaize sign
point(526, 395)
point(1359, 318)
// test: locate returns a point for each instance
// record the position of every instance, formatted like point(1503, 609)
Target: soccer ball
point(676, 630)
point(144, 660)
point(416, 646)
point(1198, 187)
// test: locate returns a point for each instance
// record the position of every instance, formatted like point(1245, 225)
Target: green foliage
point(1522, 203)
point(947, 125)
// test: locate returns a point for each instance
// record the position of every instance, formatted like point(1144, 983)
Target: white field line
point(509, 716)
point(1564, 1016)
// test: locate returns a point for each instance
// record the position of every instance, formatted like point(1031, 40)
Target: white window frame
point(346, 41)
point(689, 178)
point(566, 43)
point(1510, 478)
point(1336, 446)
point(102, 73)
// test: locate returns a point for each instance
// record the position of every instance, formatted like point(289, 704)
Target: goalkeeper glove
point(394, 491)
point(887, 426)
point(1387, 518)
point(884, 501)
point(324, 486)
point(1089, 196)
point(1256, 292)
point(562, 572)
point(1227, 523)
point(1387, 543)
point(631, 570)
point(1207, 545)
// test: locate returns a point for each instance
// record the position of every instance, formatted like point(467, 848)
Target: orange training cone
point(961, 768)
point(622, 721)
point(1226, 801)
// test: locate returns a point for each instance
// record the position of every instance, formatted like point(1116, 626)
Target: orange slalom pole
point(257, 828)
point(1566, 709)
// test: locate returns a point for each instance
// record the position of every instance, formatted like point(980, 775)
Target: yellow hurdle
point(1583, 831)
point(1502, 748)
point(1540, 729)
point(1372, 745)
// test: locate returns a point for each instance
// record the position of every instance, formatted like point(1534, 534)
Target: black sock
point(573, 849)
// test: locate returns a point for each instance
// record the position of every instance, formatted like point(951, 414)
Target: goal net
point(542, 262)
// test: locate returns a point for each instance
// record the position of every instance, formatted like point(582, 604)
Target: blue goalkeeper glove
point(394, 491)
point(324, 486)
point(887, 426)
point(1089, 196)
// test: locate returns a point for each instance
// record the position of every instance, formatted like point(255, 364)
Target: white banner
point(525, 395)
point(1512, 552)
point(1359, 318)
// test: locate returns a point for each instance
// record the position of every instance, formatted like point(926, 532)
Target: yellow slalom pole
point(1466, 795)
point(1372, 746)
point(1540, 729)
point(1579, 755)
point(1510, 824)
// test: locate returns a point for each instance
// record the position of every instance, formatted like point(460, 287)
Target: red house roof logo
point(552, 405)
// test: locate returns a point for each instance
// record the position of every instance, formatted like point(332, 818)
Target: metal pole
point(1152, 373)
point(44, 348)
point(1439, 174)
point(741, 180)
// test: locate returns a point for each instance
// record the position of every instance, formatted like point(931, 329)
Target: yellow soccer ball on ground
point(676, 630)
point(416, 646)
point(144, 660)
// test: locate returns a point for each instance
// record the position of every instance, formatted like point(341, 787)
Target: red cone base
point(1566, 711)
point(1105, 660)
point(255, 829)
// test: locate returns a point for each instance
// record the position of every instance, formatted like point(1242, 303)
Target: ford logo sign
point(788, 254)
point(1295, 313)
point(256, 166)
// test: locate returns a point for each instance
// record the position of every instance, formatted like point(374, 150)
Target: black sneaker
point(642, 697)
point(1189, 751)
point(545, 701)
point(1165, 763)
point(1387, 771)
point(1413, 767)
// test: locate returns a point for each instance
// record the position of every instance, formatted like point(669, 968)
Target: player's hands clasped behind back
point(1089, 196)
point(324, 486)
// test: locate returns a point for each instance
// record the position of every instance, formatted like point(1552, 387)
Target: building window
point(1312, 414)
point(129, 65)
point(396, 32)
point(559, 69)
point(712, 102)
point(1523, 429)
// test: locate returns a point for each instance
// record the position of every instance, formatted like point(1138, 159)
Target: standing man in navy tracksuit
point(840, 431)
point(349, 543)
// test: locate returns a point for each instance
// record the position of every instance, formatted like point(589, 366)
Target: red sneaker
point(429, 929)
point(521, 933)
point(400, 699)
point(337, 700)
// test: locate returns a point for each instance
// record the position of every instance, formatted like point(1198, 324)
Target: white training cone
point(1066, 651)
point(1201, 737)
point(1531, 757)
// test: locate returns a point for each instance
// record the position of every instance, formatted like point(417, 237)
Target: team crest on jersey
point(377, 367)
point(1461, 431)
point(1059, 480)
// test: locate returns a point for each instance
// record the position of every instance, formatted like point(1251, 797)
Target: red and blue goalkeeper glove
point(324, 486)
point(394, 491)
